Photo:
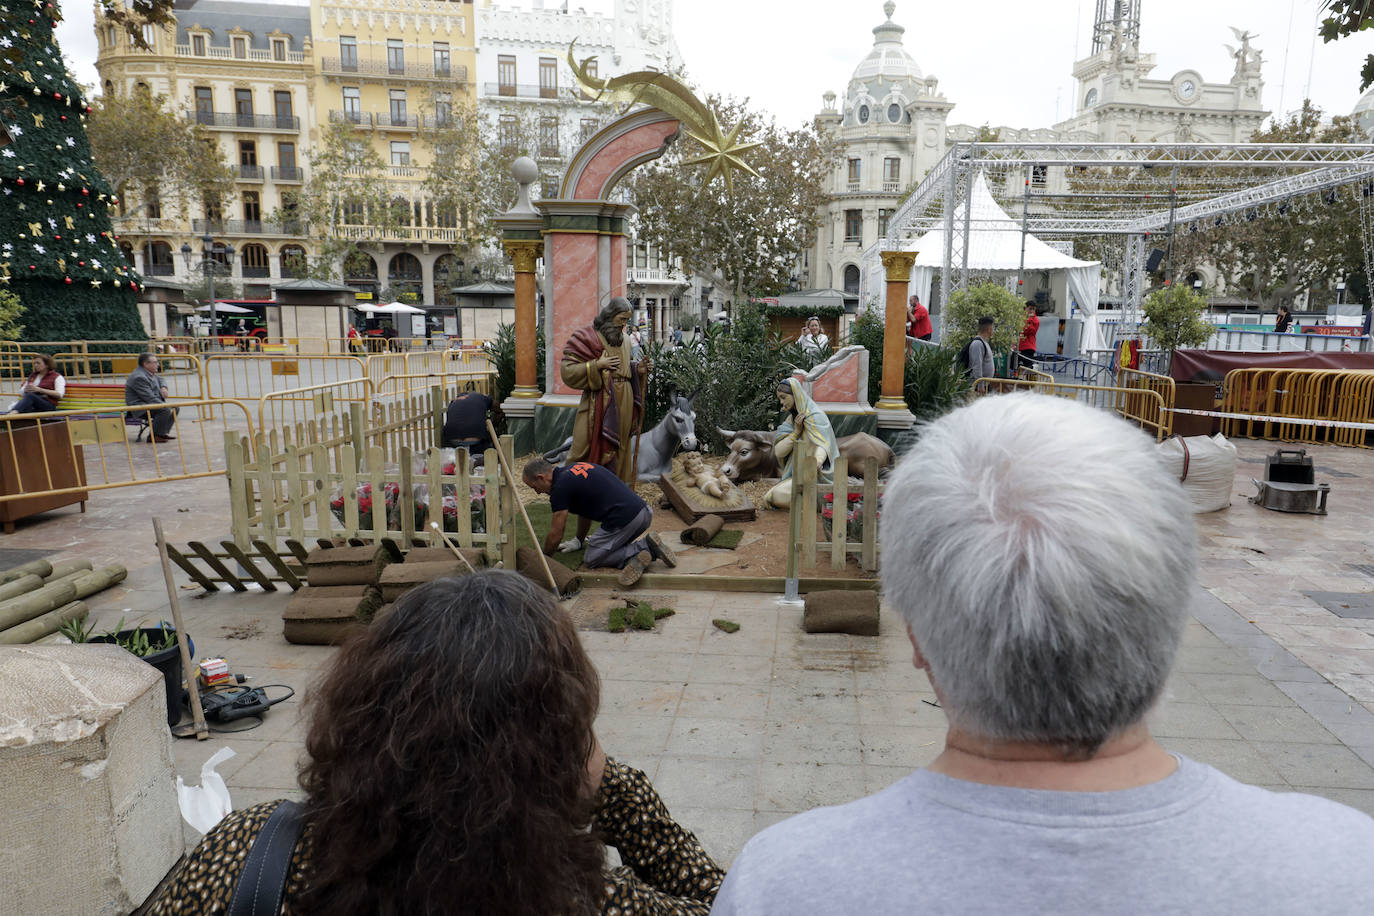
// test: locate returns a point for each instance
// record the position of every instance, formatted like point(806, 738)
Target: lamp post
point(208, 265)
point(1340, 290)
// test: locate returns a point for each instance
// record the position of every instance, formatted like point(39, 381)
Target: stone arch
point(293, 261)
point(851, 279)
point(404, 275)
point(255, 261)
point(448, 273)
point(611, 153)
point(157, 259)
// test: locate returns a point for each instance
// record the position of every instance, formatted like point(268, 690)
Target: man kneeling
point(1045, 589)
point(594, 494)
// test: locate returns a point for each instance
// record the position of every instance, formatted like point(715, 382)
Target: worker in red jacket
point(918, 320)
point(1027, 345)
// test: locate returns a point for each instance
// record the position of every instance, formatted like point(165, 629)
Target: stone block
point(86, 780)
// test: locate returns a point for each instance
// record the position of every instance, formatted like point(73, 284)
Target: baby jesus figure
point(708, 481)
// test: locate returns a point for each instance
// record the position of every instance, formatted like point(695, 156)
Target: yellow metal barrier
point(1143, 406)
point(1325, 405)
point(1138, 379)
point(73, 451)
point(250, 375)
point(450, 383)
point(289, 406)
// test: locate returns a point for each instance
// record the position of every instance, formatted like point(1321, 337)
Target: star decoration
point(95, 284)
point(37, 120)
point(40, 185)
point(723, 152)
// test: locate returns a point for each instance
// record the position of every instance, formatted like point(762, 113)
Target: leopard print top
point(666, 872)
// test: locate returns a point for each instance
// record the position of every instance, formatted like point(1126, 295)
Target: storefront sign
point(1333, 330)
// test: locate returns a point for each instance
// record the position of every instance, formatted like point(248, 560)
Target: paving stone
point(714, 737)
point(800, 741)
point(1276, 723)
point(1248, 689)
point(722, 832)
point(896, 745)
point(1189, 720)
point(707, 783)
point(1237, 758)
point(1332, 765)
point(725, 701)
point(802, 786)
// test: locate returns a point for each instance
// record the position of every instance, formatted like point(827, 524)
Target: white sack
point(1211, 469)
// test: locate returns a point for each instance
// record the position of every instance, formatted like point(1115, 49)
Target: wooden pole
point(529, 526)
point(450, 545)
point(197, 714)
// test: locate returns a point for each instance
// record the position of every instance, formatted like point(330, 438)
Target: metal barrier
point(1162, 384)
point(73, 452)
point(288, 407)
point(450, 382)
point(1143, 406)
point(1323, 405)
point(250, 375)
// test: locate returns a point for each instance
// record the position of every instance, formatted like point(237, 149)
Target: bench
point(106, 404)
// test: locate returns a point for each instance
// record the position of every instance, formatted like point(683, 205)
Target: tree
point(1348, 17)
point(992, 300)
point(11, 316)
point(1173, 318)
point(58, 251)
point(753, 232)
point(157, 160)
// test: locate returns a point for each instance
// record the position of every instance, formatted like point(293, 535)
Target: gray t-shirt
point(1196, 842)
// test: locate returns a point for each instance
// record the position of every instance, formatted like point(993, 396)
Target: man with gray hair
point(1044, 589)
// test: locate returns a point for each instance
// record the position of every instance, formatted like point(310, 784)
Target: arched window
point(851, 279)
point(400, 211)
point(359, 266)
point(255, 261)
point(448, 273)
point(127, 249)
point(157, 260)
point(293, 261)
point(405, 278)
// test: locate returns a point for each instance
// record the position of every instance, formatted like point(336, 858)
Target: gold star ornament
point(723, 152)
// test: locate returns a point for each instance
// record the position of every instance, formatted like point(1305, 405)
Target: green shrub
point(11, 315)
point(1173, 318)
point(966, 306)
point(934, 382)
point(501, 349)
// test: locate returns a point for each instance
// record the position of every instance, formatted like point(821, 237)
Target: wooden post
point(897, 269)
point(524, 252)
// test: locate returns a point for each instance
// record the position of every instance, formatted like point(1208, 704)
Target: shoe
point(162, 438)
point(632, 570)
point(661, 551)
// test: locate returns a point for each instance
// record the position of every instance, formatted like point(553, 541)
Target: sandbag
point(346, 565)
point(1207, 467)
point(527, 563)
point(837, 611)
point(700, 533)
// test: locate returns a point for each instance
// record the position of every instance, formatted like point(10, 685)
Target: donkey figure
point(658, 445)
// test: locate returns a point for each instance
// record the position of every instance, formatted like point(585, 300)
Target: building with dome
point(1363, 113)
point(893, 125)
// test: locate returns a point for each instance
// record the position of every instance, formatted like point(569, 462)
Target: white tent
point(996, 248)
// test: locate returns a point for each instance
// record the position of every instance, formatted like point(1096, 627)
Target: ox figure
point(751, 454)
point(658, 445)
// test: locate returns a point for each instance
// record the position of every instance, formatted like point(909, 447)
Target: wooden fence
point(826, 520)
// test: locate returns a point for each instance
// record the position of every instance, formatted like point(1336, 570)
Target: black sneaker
point(661, 551)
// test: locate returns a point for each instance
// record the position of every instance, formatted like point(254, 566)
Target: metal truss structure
point(1128, 190)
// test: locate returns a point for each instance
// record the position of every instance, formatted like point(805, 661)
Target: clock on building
point(1187, 88)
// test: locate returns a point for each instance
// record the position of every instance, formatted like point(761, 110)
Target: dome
point(888, 60)
point(1364, 112)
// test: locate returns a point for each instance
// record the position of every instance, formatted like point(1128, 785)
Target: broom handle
point(510, 478)
point(449, 544)
point(197, 714)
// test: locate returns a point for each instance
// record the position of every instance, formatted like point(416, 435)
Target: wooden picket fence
point(811, 533)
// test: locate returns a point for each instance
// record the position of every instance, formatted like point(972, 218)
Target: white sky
point(1003, 62)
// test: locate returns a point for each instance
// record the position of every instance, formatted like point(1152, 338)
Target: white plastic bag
point(1207, 467)
point(205, 805)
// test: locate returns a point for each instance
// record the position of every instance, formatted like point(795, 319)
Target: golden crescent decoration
point(723, 151)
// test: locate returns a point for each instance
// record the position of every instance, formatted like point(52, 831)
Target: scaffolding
point(1127, 198)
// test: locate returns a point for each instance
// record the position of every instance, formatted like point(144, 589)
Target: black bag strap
point(262, 883)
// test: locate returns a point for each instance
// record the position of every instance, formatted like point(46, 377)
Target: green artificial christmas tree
point(58, 250)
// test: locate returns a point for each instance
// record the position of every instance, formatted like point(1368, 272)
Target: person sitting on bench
point(594, 494)
point(143, 386)
point(44, 389)
point(465, 423)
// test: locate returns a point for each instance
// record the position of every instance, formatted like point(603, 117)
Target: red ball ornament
point(58, 237)
point(133, 285)
point(67, 280)
point(33, 267)
point(80, 263)
point(57, 95)
point(64, 117)
point(78, 205)
point(19, 181)
point(85, 192)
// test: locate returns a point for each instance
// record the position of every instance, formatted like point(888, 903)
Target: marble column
point(524, 253)
point(891, 406)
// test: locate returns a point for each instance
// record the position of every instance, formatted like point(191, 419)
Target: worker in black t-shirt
point(594, 494)
point(465, 423)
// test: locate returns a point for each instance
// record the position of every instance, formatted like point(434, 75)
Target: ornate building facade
point(892, 122)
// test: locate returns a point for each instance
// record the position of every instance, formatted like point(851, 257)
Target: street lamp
point(1340, 291)
point(208, 265)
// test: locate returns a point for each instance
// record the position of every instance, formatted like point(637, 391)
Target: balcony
point(381, 69)
point(364, 233)
point(892, 187)
point(407, 171)
point(853, 186)
point(359, 118)
point(253, 54)
point(548, 151)
point(656, 275)
point(159, 270)
point(250, 173)
point(245, 227)
point(396, 122)
point(226, 121)
point(513, 91)
point(287, 173)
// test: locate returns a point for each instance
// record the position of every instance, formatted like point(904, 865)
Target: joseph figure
point(597, 360)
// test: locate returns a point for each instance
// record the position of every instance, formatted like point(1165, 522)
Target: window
point(443, 109)
point(398, 107)
point(548, 136)
point(505, 74)
point(353, 104)
point(591, 71)
point(348, 53)
point(281, 103)
point(894, 112)
point(154, 205)
point(198, 45)
point(863, 114)
point(400, 152)
point(853, 225)
point(286, 156)
point(509, 131)
point(255, 262)
point(240, 47)
point(548, 77)
point(395, 55)
point(441, 61)
point(855, 171)
point(252, 207)
point(110, 36)
point(884, 216)
point(150, 36)
point(588, 128)
point(205, 105)
point(1090, 99)
point(293, 261)
point(248, 152)
point(1039, 175)
point(548, 187)
point(851, 280)
point(278, 49)
point(243, 107)
point(892, 174)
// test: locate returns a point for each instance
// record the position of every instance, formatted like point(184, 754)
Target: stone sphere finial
point(525, 173)
point(889, 7)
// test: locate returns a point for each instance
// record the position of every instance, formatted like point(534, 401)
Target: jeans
point(32, 403)
point(615, 547)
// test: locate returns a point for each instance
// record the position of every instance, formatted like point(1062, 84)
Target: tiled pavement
point(739, 731)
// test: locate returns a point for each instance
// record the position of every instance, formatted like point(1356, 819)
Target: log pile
point(37, 598)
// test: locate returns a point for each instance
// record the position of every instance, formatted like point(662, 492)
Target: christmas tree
point(58, 250)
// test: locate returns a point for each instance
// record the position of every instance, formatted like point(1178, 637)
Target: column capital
point(524, 252)
point(897, 265)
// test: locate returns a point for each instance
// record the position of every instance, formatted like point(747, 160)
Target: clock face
point(1187, 88)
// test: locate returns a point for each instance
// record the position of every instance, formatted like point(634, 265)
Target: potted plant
point(155, 645)
point(1174, 319)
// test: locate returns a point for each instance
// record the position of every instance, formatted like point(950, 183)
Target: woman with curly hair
point(453, 769)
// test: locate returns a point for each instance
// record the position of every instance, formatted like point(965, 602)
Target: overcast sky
point(1003, 62)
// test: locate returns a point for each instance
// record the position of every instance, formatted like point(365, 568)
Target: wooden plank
point(319, 465)
point(238, 488)
point(870, 542)
point(808, 505)
point(297, 549)
point(295, 493)
point(247, 563)
point(190, 569)
point(375, 460)
point(270, 555)
point(510, 508)
point(405, 500)
point(462, 490)
point(214, 563)
point(495, 506)
point(839, 514)
point(267, 492)
point(348, 470)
